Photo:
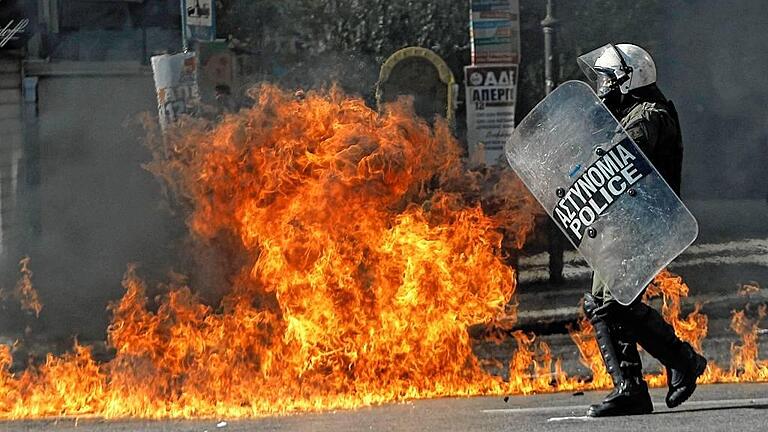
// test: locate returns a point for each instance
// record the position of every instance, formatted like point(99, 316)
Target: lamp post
point(555, 237)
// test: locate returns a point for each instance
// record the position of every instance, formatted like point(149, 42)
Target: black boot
point(658, 338)
point(630, 397)
point(630, 393)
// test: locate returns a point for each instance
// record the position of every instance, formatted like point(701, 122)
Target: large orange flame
point(360, 253)
point(357, 253)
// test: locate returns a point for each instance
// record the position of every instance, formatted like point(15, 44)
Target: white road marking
point(557, 313)
point(542, 409)
point(761, 260)
point(582, 418)
point(733, 246)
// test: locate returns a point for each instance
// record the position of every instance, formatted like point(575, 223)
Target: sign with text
point(198, 19)
point(495, 31)
point(491, 92)
point(176, 85)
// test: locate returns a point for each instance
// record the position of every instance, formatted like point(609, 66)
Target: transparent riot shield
point(600, 189)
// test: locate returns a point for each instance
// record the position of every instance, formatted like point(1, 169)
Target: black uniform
point(652, 122)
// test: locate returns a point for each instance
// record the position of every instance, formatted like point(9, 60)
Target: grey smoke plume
point(99, 210)
point(713, 65)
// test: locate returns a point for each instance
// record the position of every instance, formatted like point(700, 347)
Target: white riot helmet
point(623, 66)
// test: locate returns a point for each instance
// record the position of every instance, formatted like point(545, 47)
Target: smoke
point(355, 73)
point(713, 65)
point(99, 209)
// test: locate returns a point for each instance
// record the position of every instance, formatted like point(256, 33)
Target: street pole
point(184, 42)
point(548, 26)
point(555, 243)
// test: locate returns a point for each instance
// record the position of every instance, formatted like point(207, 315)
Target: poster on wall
point(176, 85)
point(491, 93)
point(495, 31)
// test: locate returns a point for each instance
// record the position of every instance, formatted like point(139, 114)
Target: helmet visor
point(587, 62)
point(606, 82)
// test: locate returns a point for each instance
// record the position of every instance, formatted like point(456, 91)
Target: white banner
point(176, 86)
point(491, 93)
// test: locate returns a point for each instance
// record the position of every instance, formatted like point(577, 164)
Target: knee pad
point(591, 307)
point(596, 309)
point(614, 312)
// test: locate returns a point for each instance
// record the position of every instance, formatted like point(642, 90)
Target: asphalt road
point(741, 407)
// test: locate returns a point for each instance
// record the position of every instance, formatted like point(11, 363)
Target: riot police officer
point(625, 80)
